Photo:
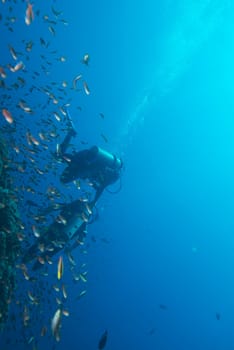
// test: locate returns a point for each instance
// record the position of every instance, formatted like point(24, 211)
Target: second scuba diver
point(100, 168)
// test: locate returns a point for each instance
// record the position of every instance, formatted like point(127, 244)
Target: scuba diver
point(69, 228)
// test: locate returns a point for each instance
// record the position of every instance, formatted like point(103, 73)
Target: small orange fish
point(71, 259)
point(85, 59)
point(41, 247)
point(104, 138)
point(41, 260)
point(35, 141)
point(56, 324)
point(24, 107)
point(78, 77)
point(49, 261)
point(39, 171)
point(61, 59)
point(86, 88)
point(28, 138)
point(84, 217)
point(58, 301)
point(64, 291)
point(26, 316)
point(29, 16)
point(57, 116)
point(32, 298)
point(61, 220)
point(35, 231)
point(56, 288)
point(88, 208)
point(20, 237)
point(43, 331)
point(13, 53)
point(26, 275)
point(65, 312)
point(7, 115)
point(60, 268)
point(29, 46)
point(42, 136)
point(2, 73)
point(18, 66)
point(83, 292)
point(16, 149)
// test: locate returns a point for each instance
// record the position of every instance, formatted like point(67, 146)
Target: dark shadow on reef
point(9, 227)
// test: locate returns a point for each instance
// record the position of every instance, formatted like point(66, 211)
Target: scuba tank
point(86, 164)
point(100, 157)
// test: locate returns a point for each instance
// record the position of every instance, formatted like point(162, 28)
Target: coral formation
point(9, 228)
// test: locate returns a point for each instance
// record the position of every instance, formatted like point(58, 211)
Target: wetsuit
point(101, 169)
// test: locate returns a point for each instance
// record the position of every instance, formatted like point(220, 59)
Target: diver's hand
point(57, 156)
point(72, 130)
point(70, 124)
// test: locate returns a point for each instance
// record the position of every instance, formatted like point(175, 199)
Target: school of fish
point(33, 118)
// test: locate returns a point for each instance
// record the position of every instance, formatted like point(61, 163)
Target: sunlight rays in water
point(195, 21)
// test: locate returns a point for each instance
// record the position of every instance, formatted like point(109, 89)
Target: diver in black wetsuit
point(102, 169)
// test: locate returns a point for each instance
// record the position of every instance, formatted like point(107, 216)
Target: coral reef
point(9, 229)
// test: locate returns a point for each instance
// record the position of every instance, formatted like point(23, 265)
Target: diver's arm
point(64, 145)
point(98, 193)
point(99, 189)
point(71, 133)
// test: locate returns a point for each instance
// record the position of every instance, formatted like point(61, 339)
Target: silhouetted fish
point(152, 331)
point(102, 341)
point(32, 203)
point(163, 307)
point(217, 316)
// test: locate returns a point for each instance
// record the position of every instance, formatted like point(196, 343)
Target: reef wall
point(9, 229)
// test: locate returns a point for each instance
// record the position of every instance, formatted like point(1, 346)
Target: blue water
point(160, 258)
